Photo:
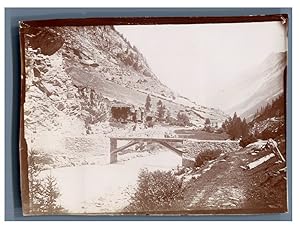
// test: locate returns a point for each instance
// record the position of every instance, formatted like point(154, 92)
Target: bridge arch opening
point(165, 142)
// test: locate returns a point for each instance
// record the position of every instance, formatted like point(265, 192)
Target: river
point(107, 188)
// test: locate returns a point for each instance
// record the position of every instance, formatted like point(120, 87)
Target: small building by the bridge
point(121, 112)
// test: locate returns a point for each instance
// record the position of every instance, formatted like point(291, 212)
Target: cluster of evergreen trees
point(236, 127)
point(163, 114)
point(132, 57)
point(275, 109)
point(161, 109)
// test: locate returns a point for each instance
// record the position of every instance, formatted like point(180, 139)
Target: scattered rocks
point(60, 106)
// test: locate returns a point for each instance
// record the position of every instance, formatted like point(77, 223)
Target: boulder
point(188, 162)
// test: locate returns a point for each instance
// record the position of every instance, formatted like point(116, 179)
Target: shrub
point(207, 155)
point(219, 131)
point(247, 140)
point(208, 129)
point(156, 191)
point(183, 119)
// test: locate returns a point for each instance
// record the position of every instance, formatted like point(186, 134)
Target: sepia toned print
point(154, 118)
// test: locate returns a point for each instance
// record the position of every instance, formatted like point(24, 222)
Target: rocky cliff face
point(98, 49)
point(52, 98)
point(55, 56)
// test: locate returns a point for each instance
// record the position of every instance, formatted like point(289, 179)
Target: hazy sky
point(201, 61)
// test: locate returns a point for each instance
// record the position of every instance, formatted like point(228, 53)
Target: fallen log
point(261, 160)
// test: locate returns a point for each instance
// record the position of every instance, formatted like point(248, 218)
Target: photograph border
point(13, 209)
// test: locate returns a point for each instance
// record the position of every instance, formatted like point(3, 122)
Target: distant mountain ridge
point(262, 85)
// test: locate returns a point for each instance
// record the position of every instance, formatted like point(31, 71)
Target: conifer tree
point(148, 103)
point(51, 194)
point(207, 121)
point(161, 110)
point(43, 192)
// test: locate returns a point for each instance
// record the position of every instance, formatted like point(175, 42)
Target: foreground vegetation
point(156, 191)
point(44, 192)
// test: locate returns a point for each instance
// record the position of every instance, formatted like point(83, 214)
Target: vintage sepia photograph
point(165, 118)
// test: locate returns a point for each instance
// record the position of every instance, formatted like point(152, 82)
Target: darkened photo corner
point(164, 116)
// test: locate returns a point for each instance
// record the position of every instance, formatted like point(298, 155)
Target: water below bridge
point(107, 187)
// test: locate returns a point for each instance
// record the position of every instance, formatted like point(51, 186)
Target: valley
point(89, 84)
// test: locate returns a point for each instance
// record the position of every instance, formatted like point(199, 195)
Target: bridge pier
point(113, 147)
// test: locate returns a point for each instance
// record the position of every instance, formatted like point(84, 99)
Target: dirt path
point(219, 186)
point(223, 186)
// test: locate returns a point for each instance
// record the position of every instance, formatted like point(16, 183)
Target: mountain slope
point(74, 75)
point(261, 86)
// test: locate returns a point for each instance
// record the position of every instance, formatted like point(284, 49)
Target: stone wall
point(193, 149)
